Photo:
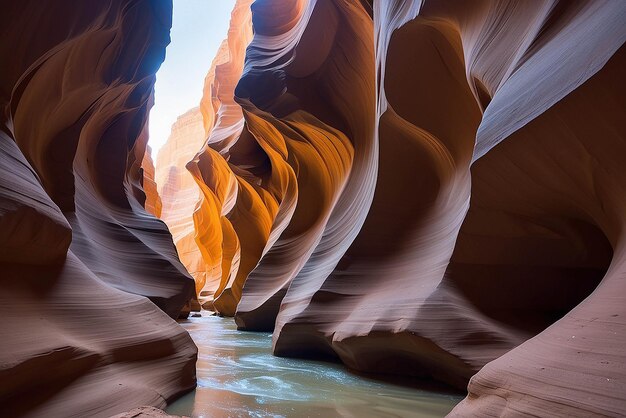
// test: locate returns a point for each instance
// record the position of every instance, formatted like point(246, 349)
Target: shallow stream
point(239, 377)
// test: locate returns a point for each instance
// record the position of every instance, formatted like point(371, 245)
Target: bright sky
point(198, 28)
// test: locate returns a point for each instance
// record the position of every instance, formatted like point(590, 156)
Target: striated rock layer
point(320, 97)
point(179, 192)
point(432, 189)
point(194, 206)
point(78, 252)
point(270, 178)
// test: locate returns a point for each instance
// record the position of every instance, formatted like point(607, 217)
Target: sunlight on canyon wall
point(153, 202)
point(191, 207)
point(178, 191)
point(429, 188)
point(424, 188)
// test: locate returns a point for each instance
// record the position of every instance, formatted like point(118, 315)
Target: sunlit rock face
point(79, 254)
point(199, 141)
point(147, 183)
point(270, 179)
point(179, 192)
point(153, 202)
point(229, 205)
point(426, 188)
point(318, 104)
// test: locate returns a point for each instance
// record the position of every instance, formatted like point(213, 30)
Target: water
point(239, 377)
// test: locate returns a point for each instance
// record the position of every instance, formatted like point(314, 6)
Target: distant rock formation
point(153, 202)
point(78, 252)
point(179, 192)
point(196, 185)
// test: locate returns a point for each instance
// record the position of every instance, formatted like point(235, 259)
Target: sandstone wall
point(179, 192)
point(153, 202)
point(433, 189)
point(79, 254)
point(200, 137)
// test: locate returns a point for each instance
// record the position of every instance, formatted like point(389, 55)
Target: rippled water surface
point(239, 377)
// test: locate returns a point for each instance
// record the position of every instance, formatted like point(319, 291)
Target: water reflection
point(239, 377)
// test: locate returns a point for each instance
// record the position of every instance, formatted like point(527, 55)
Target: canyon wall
point(89, 281)
point(178, 191)
point(430, 188)
point(153, 202)
point(200, 138)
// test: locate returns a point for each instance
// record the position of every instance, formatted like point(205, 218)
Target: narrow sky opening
point(198, 28)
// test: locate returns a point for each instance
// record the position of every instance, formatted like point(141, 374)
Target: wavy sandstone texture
point(78, 252)
point(190, 208)
point(424, 188)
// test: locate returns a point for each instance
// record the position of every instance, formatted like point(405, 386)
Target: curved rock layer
point(423, 188)
point(273, 174)
point(78, 252)
point(191, 204)
point(427, 188)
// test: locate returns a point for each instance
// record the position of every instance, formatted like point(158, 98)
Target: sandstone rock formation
point(179, 192)
point(190, 209)
point(153, 202)
point(78, 252)
point(425, 187)
point(433, 188)
point(320, 97)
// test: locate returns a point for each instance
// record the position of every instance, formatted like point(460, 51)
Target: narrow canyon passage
point(386, 208)
point(237, 374)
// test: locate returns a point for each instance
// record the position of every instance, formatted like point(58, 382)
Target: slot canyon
point(386, 208)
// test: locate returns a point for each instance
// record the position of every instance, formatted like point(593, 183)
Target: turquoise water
point(239, 377)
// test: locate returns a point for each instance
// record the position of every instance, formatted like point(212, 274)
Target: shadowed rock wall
point(79, 254)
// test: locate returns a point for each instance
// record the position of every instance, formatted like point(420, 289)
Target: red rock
point(475, 211)
point(179, 192)
point(153, 202)
point(193, 206)
point(79, 254)
point(427, 188)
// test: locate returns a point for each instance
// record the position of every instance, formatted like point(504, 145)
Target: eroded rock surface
point(193, 175)
point(179, 192)
point(426, 187)
point(153, 203)
point(79, 254)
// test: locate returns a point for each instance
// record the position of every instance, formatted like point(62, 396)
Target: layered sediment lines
point(79, 254)
point(432, 189)
point(193, 206)
point(272, 176)
point(179, 192)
